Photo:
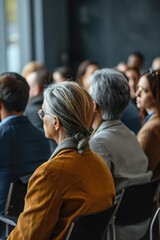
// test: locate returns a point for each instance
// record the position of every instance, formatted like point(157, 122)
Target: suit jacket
point(149, 139)
point(131, 117)
point(22, 149)
point(69, 185)
point(118, 146)
point(31, 111)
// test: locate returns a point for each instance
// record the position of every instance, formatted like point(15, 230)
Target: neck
point(60, 136)
point(152, 110)
point(96, 121)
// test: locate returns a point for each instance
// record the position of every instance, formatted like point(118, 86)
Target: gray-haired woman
point(75, 180)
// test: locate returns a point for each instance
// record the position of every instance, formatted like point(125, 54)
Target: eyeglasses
point(41, 114)
point(141, 89)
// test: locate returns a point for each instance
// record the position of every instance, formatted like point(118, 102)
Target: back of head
point(39, 78)
point(14, 91)
point(82, 68)
point(110, 91)
point(73, 106)
point(136, 59)
point(122, 67)
point(134, 73)
point(133, 69)
point(63, 73)
point(156, 63)
point(32, 66)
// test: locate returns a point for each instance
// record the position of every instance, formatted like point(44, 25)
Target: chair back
point(15, 199)
point(137, 204)
point(91, 226)
point(155, 217)
point(14, 204)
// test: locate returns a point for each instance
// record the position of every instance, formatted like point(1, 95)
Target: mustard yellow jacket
point(68, 185)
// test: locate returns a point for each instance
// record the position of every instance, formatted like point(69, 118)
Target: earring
point(56, 128)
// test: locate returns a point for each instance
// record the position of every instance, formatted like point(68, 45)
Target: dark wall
point(56, 32)
point(109, 30)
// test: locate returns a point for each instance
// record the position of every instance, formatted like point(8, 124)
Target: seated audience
point(36, 81)
point(136, 60)
point(113, 141)
point(133, 75)
point(22, 146)
point(32, 66)
point(84, 71)
point(148, 98)
point(156, 63)
point(76, 180)
point(122, 67)
point(131, 116)
point(63, 73)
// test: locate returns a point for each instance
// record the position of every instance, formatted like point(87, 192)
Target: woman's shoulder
point(150, 130)
point(152, 123)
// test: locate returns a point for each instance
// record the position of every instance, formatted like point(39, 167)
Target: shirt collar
point(148, 117)
point(5, 120)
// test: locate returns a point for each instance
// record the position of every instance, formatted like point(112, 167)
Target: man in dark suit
point(131, 117)
point(23, 147)
point(37, 80)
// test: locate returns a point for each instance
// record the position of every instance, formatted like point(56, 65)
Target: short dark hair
point(14, 91)
point(66, 72)
point(139, 55)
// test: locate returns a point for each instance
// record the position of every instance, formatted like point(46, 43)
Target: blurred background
point(65, 32)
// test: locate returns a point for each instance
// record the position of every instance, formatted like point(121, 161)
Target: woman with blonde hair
point(75, 180)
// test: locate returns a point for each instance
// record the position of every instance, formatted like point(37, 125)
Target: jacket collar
point(107, 124)
point(68, 143)
point(13, 119)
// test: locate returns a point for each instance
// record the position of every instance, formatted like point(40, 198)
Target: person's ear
point(95, 107)
point(57, 123)
point(1, 109)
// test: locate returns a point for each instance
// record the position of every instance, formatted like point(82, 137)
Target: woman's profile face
point(48, 124)
point(144, 96)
